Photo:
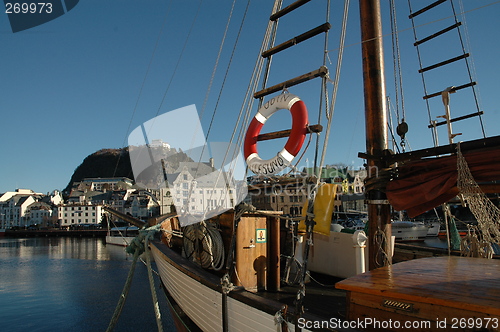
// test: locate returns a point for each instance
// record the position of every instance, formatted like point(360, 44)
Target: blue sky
point(85, 80)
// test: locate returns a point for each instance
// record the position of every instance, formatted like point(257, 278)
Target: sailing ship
point(227, 273)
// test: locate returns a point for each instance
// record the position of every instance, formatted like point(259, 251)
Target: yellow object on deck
point(323, 209)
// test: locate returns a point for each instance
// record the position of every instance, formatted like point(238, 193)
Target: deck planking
point(433, 287)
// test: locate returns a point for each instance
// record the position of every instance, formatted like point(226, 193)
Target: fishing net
point(486, 213)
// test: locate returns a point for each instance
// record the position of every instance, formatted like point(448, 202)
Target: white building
point(158, 143)
point(41, 214)
point(80, 214)
point(102, 184)
point(198, 189)
point(142, 205)
point(14, 205)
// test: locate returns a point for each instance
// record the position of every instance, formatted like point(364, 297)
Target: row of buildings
point(289, 194)
point(194, 186)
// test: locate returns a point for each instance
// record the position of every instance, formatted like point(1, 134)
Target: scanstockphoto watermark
point(364, 323)
point(390, 324)
point(301, 186)
point(204, 178)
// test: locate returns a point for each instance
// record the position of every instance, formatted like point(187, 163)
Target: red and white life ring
point(292, 147)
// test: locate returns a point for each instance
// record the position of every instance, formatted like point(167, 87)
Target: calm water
point(71, 284)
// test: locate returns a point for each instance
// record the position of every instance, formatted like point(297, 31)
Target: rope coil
point(203, 245)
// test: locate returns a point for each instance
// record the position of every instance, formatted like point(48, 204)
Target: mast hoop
point(298, 110)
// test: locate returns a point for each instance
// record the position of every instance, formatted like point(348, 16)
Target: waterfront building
point(289, 194)
point(103, 184)
point(141, 204)
point(199, 188)
point(14, 206)
point(71, 215)
point(41, 215)
point(286, 194)
point(164, 199)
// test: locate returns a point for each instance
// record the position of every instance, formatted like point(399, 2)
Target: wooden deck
point(462, 292)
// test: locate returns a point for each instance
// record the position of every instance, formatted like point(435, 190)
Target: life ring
point(292, 147)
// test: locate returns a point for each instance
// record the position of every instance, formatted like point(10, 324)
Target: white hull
point(433, 229)
point(119, 240)
point(198, 294)
point(409, 230)
point(122, 236)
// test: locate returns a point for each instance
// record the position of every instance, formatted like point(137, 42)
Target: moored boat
point(122, 236)
point(405, 230)
point(434, 228)
point(229, 272)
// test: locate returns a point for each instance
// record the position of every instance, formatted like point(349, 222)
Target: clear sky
point(84, 81)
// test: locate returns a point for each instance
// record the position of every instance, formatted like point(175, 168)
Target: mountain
point(103, 163)
point(107, 163)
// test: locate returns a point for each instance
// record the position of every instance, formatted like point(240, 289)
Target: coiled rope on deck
point(203, 245)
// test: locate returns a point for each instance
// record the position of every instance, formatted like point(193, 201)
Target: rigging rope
point(245, 113)
point(142, 85)
point(154, 296)
point(468, 68)
point(232, 165)
point(398, 73)
point(173, 74)
point(336, 80)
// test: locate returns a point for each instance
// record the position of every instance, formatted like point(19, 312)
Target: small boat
point(405, 230)
point(434, 228)
point(122, 236)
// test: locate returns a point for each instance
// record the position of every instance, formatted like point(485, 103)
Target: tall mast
point(376, 130)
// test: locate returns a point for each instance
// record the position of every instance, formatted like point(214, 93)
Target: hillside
point(116, 163)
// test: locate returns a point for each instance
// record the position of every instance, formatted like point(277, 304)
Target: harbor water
point(73, 284)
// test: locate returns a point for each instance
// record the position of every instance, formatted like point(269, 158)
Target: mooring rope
point(154, 296)
point(124, 294)
point(137, 247)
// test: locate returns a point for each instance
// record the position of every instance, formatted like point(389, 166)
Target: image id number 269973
point(28, 7)
point(474, 323)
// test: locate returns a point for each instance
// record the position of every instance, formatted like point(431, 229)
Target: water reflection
point(61, 284)
point(61, 248)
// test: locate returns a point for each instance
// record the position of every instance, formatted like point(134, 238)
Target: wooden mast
point(376, 130)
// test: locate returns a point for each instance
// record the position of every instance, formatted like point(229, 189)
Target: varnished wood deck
point(427, 289)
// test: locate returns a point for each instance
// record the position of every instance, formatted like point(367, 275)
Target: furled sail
point(424, 184)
